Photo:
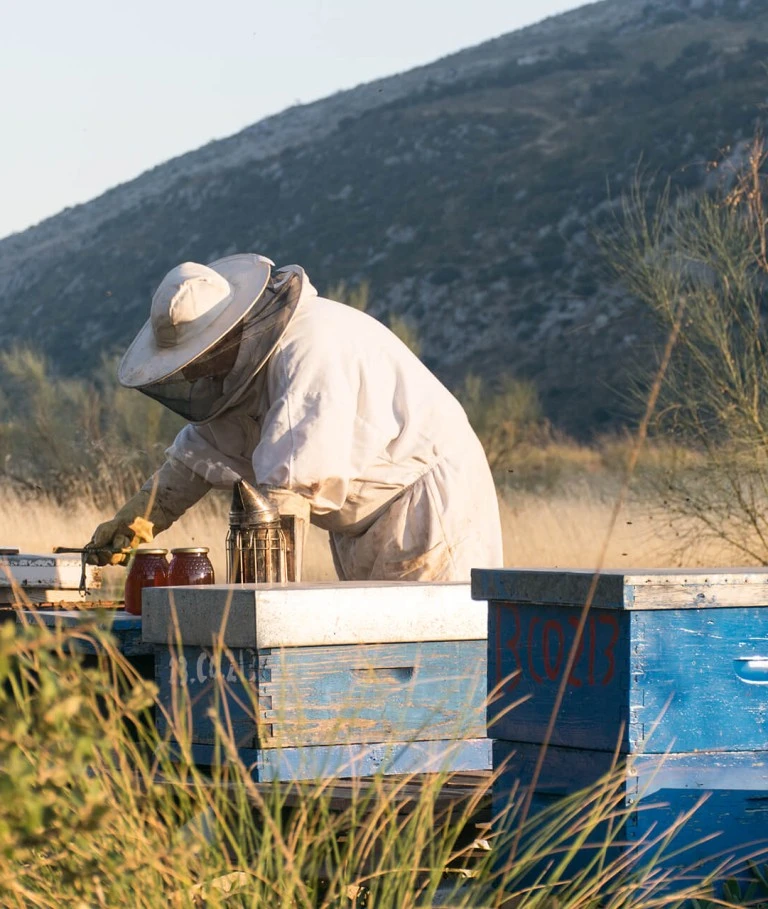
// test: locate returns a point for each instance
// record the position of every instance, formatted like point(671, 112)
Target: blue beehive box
point(671, 671)
point(723, 795)
point(326, 680)
point(669, 660)
point(124, 627)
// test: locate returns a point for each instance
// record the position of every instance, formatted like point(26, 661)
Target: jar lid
point(151, 552)
point(190, 550)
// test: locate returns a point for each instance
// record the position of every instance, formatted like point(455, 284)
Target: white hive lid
point(310, 615)
point(53, 572)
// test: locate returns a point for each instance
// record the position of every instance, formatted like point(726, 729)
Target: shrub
point(68, 435)
point(505, 418)
point(95, 814)
point(701, 266)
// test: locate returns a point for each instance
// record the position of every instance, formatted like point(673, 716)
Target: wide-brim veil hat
point(194, 307)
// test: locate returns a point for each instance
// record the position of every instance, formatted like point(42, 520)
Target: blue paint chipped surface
point(125, 628)
point(726, 795)
point(360, 760)
point(341, 697)
point(690, 679)
point(645, 680)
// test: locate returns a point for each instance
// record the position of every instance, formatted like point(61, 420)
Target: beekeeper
point(321, 406)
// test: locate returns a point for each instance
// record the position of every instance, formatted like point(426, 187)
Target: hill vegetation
point(466, 194)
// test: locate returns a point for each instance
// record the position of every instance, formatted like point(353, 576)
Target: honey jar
point(148, 569)
point(190, 566)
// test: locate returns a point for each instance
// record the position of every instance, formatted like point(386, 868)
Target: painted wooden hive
point(326, 680)
point(27, 578)
point(671, 671)
point(124, 628)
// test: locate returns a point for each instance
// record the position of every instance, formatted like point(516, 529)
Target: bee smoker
point(261, 548)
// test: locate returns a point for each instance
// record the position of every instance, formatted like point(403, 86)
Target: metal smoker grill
point(257, 546)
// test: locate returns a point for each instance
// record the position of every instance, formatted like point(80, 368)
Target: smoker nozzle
point(251, 508)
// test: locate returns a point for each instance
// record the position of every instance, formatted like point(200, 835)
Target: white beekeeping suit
point(346, 425)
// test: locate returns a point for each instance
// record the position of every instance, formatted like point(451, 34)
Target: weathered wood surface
point(194, 679)
point(528, 646)
point(58, 571)
point(657, 589)
point(309, 615)
point(333, 695)
point(732, 788)
point(403, 791)
point(567, 770)
point(126, 628)
point(647, 681)
point(53, 598)
point(699, 680)
point(372, 692)
point(317, 762)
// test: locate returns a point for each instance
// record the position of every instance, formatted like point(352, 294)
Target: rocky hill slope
point(467, 192)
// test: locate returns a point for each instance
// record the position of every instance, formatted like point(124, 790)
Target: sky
point(94, 92)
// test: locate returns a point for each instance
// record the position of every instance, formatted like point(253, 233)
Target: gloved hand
point(164, 497)
point(113, 540)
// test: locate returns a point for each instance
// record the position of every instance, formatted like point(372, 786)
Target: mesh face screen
point(219, 377)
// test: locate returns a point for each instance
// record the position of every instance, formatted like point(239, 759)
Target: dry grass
point(39, 524)
point(548, 530)
point(567, 530)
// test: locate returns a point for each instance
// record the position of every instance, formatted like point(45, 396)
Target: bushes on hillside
point(701, 266)
point(505, 419)
point(70, 436)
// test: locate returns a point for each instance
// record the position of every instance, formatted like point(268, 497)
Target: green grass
point(94, 814)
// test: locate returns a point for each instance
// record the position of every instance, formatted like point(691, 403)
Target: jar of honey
point(190, 566)
point(148, 569)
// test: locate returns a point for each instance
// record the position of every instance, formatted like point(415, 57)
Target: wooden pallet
point(339, 794)
point(404, 791)
point(457, 789)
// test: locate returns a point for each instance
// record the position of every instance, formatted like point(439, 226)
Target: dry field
point(561, 530)
point(570, 531)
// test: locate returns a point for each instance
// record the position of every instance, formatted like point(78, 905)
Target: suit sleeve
point(174, 488)
point(308, 435)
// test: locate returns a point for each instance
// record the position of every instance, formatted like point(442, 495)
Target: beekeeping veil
point(211, 329)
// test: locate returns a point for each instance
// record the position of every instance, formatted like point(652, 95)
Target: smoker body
point(263, 546)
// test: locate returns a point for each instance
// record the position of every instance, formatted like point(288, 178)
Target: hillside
point(466, 191)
